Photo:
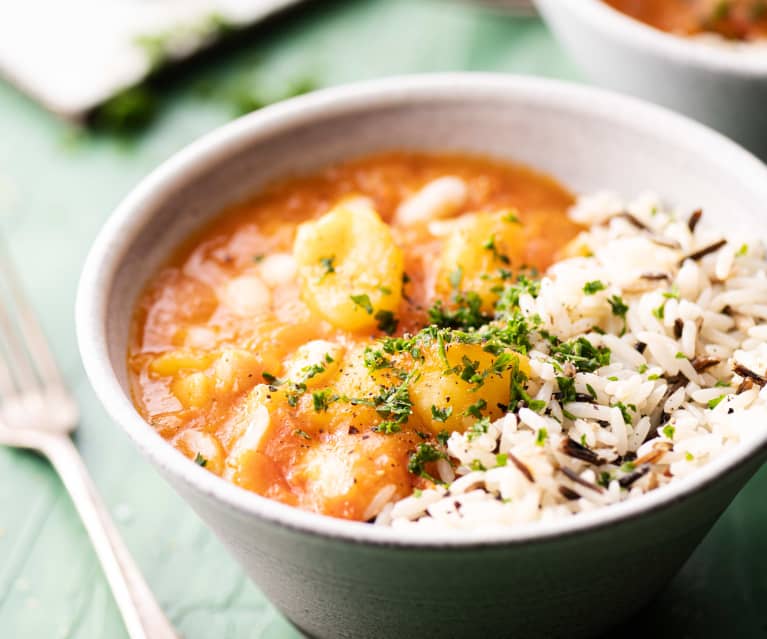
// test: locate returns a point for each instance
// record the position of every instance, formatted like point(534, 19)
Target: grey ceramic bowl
point(721, 84)
point(336, 578)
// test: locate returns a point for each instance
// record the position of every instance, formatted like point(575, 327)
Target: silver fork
point(37, 412)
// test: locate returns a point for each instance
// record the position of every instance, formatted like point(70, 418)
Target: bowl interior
point(588, 139)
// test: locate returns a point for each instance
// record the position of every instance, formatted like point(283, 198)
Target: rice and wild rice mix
point(647, 360)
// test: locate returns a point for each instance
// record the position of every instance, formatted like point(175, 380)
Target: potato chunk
point(314, 363)
point(476, 251)
point(349, 267)
point(451, 395)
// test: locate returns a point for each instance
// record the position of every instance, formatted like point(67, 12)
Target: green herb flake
point(200, 460)
point(618, 306)
point(477, 465)
point(363, 301)
point(501, 459)
point(302, 433)
point(541, 436)
point(386, 321)
point(713, 403)
point(258, 258)
point(590, 288)
point(424, 454)
point(624, 409)
point(321, 399)
point(441, 414)
point(680, 355)
point(327, 264)
point(475, 409)
point(689, 456)
point(443, 436)
point(668, 431)
point(642, 369)
point(478, 428)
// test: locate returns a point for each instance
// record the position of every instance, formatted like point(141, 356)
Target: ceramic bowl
point(721, 84)
point(335, 578)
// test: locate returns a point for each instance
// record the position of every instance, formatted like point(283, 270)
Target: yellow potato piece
point(194, 390)
point(476, 251)
point(449, 392)
point(349, 254)
point(173, 362)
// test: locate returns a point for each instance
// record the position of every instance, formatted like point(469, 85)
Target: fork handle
point(143, 617)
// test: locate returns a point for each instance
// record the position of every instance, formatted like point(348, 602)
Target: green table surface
point(56, 189)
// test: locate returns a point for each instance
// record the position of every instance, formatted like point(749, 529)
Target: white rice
point(669, 401)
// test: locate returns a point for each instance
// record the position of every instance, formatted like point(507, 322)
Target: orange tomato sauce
point(221, 327)
point(733, 19)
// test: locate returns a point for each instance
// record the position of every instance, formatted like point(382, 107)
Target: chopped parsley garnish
point(443, 436)
point(475, 410)
point(327, 264)
point(386, 321)
point(270, 379)
point(491, 246)
point(567, 392)
point(624, 409)
point(642, 369)
point(200, 460)
point(258, 258)
point(628, 467)
point(302, 433)
point(722, 384)
point(374, 359)
point(321, 399)
point(669, 430)
point(743, 248)
point(653, 377)
point(312, 370)
point(590, 288)
point(477, 465)
point(604, 479)
point(582, 354)
point(673, 294)
point(478, 428)
point(541, 436)
point(689, 456)
point(424, 454)
point(660, 312)
point(441, 414)
point(466, 314)
point(619, 309)
point(680, 355)
point(363, 301)
point(511, 218)
point(501, 459)
point(393, 403)
point(713, 403)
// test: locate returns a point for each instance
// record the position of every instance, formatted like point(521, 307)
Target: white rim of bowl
point(746, 59)
point(128, 219)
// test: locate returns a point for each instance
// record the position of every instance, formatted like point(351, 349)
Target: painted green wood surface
point(55, 192)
